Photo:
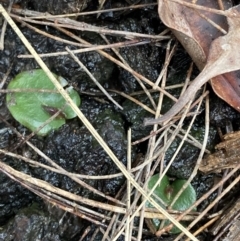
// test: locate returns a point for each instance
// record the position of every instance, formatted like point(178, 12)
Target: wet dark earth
point(26, 217)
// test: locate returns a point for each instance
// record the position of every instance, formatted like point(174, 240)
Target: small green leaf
point(166, 192)
point(186, 199)
point(160, 189)
point(32, 109)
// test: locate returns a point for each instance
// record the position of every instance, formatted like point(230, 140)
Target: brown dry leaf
point(191, 29)
point(223, 57)
point(227, 87)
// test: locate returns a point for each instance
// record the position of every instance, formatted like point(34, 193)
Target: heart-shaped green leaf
point(33, 108)
point(164, 195)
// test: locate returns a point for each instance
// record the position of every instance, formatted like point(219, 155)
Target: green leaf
point(167, 192)
point(32, 109)
point(186, 199)
point(160, 189)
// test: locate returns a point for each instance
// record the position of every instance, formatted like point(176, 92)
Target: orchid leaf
point(164, 195)
point(32, 106)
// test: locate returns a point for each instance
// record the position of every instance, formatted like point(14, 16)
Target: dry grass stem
point(120, 64)
point(152, 141)
point(92, 78)
point(101, 3)
point(137, 102)
point(38, 15)
point(87, 124)
point(87, 230)
point(22, 177)
point(205, 226)
point(187, 80)
point(72, 24)
point(118, 213)
point(210, 206)
point(145, 198)
point(220, 4)
point(5, 78)
point(161, 231)
point(148, 172)
point(56, 203)
point(116, 51)
point(163, 76)
point(48, 35)
point(28, 91)
point(128, 229)
point(63, 172)
point(213, 23)
point(4, 26)
point(207, 194)
point(73, 177)
point(89, 48)
point(199, 7)
point(166, 63)
point(194, 172)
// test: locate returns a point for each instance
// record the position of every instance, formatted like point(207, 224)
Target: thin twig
point(39, 15)
point(50, 119)
point(46, 186)
point(64, 204)
point(50, 35)
point(89, 48)
point(166, 63)
point(145, 107)
point(194, 172)
point(4, 26)
point(89, 126)
point(138, 80)
point(72, 24)
point(220, 4)
point(207, 9)
point(152, 141)
point(92, 78)
point(100, 8)
point(205, 226)
point(212, 23)
point(128, 229)
point(226, 190)
point(5, 78)
point(28, 91)
point(120, 64)
point(163, 230)
point(144, 199)
point(205, 196)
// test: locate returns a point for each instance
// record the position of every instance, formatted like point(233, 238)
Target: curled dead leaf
point(197, 37)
